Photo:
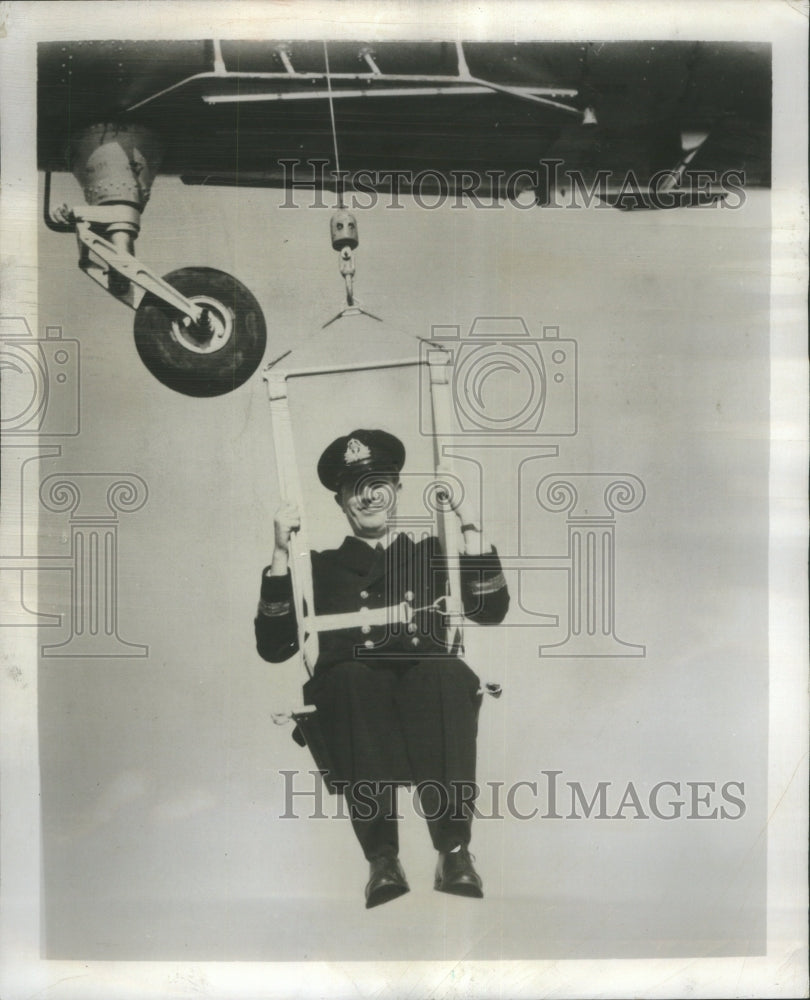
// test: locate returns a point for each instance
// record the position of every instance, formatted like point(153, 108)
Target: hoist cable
point(334, 129)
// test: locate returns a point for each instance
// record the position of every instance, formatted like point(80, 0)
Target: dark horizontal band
point(274, 609)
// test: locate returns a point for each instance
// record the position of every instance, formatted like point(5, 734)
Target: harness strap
point(390, 615)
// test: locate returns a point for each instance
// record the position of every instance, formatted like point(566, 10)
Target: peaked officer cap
point(359, 453)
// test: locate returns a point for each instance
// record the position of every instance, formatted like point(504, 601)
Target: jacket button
point(368, 644)
point(365, 629)
point(364, 594)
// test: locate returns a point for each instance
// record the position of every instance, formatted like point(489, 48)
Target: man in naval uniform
point(395, 706)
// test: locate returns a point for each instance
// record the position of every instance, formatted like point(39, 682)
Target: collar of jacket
point(360, 557)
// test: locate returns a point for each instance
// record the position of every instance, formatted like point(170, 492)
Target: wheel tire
point(185, 370)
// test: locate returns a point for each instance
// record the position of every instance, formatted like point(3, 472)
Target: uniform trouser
point(390, 722)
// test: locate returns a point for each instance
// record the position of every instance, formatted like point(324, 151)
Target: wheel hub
point(211, 334)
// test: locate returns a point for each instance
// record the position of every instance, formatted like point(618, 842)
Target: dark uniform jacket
point(392, 702)
point(356, 577)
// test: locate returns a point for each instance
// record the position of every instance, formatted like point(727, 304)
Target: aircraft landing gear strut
point(199, 331)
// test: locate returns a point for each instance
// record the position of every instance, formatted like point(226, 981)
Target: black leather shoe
point(386, 881)
point(455, 874)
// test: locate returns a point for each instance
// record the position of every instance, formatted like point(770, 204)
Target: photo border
point(783, 970)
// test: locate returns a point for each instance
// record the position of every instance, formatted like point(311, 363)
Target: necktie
point(379, 558)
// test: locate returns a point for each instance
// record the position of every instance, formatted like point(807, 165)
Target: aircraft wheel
point(206, 359)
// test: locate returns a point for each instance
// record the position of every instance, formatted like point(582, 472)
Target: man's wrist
point(468, 515)
point(279, 564)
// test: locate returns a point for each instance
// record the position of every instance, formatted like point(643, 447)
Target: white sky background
point(189, 726)
point(650, 309)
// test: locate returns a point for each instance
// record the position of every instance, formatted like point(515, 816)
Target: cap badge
point(356, 451)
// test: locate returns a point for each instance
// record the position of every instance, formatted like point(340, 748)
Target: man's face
point(369, 503)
